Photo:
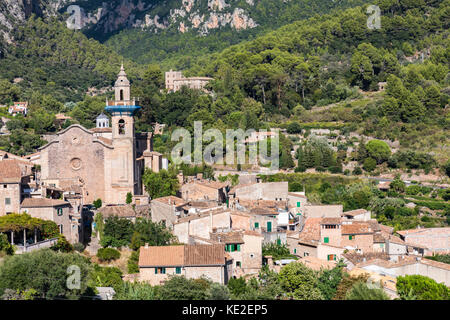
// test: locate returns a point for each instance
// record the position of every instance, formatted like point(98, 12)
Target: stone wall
point(263, 191)
point(12, 192)
point(76, 154)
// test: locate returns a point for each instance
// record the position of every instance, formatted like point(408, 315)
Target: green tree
point(45, 271)
point(361, 291)
point(152, 233)
point(129, 198)
point(180, 288)
point(160, 184)
point(378, 150)
point(117, 232)
point(329, 280)
point(97, 203)
point(421, 288)
point(300, 282)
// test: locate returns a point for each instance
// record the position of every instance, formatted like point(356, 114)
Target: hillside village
point(220, 230)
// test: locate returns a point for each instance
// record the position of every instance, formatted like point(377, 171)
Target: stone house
point(438, 271)
point(204, 190)
point(129, 212)
point(244, 247)
point(436, 240)
point(322, 211)
point(272, 191)
point(360, 215)
point(18, 108)
point(15, 178)
point(191, 261)
point(58, 211)
point(201, 225)
point(167, 210)
point(357, 236)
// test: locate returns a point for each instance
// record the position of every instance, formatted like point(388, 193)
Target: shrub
point(97, 203)
point(79, 247)
point(335, 169)
point(413, 190)
point(108, 254)
point(294, 128)
point(5, 246)
point(357, 171)
point(133, 262)
point(369, 164)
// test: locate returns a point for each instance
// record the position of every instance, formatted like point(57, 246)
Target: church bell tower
point(123, 156)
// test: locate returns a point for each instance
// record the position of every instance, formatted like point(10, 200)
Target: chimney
point(146, 245)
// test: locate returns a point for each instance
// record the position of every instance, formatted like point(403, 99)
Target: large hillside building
point(106, 162)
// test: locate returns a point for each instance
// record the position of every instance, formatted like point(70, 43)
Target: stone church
point(106, 162)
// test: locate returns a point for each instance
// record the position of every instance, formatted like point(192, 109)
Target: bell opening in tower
point(121, 126)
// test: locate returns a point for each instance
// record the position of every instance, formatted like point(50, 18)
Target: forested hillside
point(48, 58)
point(211, 26)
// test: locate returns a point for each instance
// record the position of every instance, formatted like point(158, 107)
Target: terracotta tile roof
point(253, 233)
point(105, 140)
point(184, 255)
point(330, 221)
point(436, 264)
point(203, 255)
point(124, 211)
point(170, 200)
point(213, 184)
point(316, 263)
point(263, 211)
point(42, 203)
point(101, 130)
point(397, 240)
point(10, 171)
point(293, 194)
point(356, 258)
point(429, 231)
point(354, 212)
point(379, 238)
point(311, 231)
point(386, 229)
point(200, 216)
point(356, 228)
point(227, 237)
point(161, 256)
point(403, 261)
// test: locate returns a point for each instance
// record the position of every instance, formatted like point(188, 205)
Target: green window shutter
point(256, 225)
point(278, 241)
point(349, 237)
point(163, 271)
point(328, 257)
point(156, 270)
point(326, 240)
point(178, 270)
point(238, 247)
point(295, 250)
point(298, 204)
point(269, 226)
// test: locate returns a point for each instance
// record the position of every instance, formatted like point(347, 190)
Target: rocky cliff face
point(106, 17)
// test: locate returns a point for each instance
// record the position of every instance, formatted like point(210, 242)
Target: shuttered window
point(326, 240)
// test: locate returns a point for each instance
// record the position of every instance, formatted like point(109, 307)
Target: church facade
point(105, 162)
